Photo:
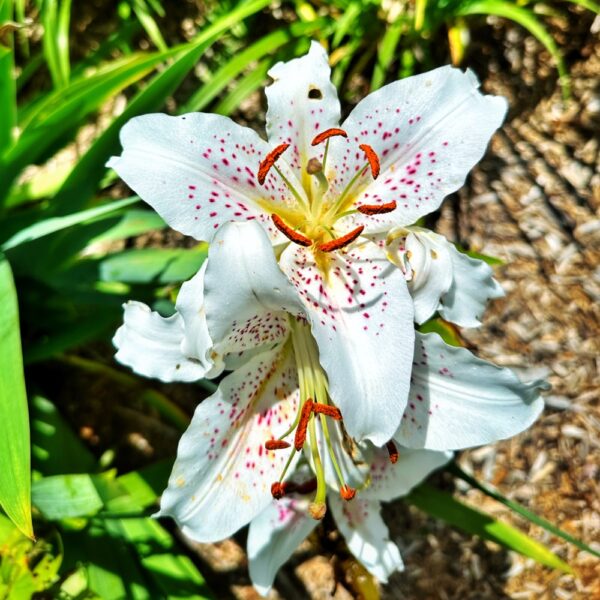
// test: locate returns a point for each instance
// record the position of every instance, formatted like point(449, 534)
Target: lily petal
point(458, 400)
point(222, 476)
point(302, 103)
point(430, 269)
point(198, 171)
point(169, 349)
point(428, 131)
point(367, 536)
point(472, 286)
point(390, 481)
point(247, 296)
point(273, 537)
point(362, 319)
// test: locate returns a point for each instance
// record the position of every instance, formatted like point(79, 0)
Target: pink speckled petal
point(362, 319)
point(428, 130)
point(458, 400)
point(247, 297)
point(222, 476)
point(302, 103)
point(390, 481)
point(198, 171)
point(367, 536)
point(273, 537)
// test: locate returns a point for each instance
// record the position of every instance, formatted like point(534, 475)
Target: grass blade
point(15, 462)
point(144, 16)
point(445, 507)
point(526, 19)
point(521, 510)
point(244, 88)
point(8, 92)
point(386, 53)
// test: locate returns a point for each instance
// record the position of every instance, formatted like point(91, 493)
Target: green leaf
point(54, 224)
point(8, 92)
point(153, 265)
point(54, 446)
point(386, 52)
point(521, 510)
point(445, 507)
point(526, 19)
point(68, 496)
point(447, 331)
point(82, 182)
point(15, 462)
point(144, 16)
point(244, 88)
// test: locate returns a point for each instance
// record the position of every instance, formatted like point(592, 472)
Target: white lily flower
point(441, 278)
point(318, 189)
point(241, 312)
point(284, 524)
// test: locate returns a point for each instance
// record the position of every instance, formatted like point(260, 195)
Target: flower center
point(313, 225)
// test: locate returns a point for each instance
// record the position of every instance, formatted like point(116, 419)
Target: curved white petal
point(247, 297)
point(362, 319)
point(302, 103)
point(152, 345)
point(429, 267)
point(458, 400)
point(198, 171)
point(428, 131)
point(273, 536)
point(222, 476)
point(367, 536)
point(472, 286)
point(393, 480)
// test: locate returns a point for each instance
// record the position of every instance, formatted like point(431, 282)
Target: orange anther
point(269, 160)
point(290, 233)
point(300, 436)
point(276, 444)
point(324, 135)
point(327, 410)
point(341, 241)
point(377, 209)
point(393, 452)
point(347, 493)
point(372, 158)
point(278, 490)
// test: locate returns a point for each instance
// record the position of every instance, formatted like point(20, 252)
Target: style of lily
point(320, 189)
point(275, 533)
point(242, 313)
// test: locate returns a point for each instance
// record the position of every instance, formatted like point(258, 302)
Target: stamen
point(393, 452)
point(372, 158)
point(278, 490)
point(276, 444)
point(347, 493)
point(324, 135)
point(305, 415)
point(269, 160)
point(341, 241)
point(327, 410)
point(377, 209)
point(290, 233)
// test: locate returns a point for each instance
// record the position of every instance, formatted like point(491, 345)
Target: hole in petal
point(314, 93)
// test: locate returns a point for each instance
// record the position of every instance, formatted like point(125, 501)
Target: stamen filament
point(269, 161)
point(340, 242)
point(317, 507)
point(290, 186)
point(334, 462)
point(377, 209)
point(290, 233)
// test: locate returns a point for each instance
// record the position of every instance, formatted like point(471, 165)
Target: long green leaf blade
point(521, 510)
point(8, 92)
point(15, 460)
point(444, 506)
